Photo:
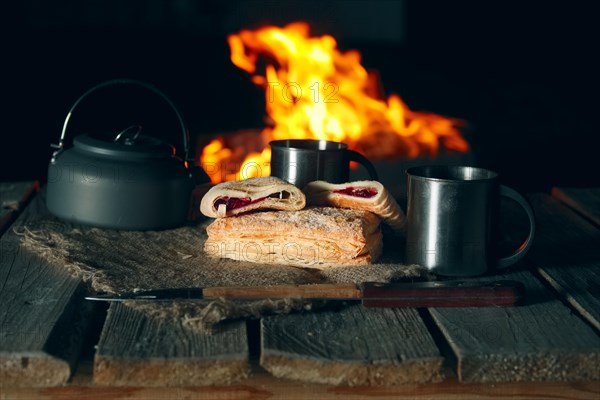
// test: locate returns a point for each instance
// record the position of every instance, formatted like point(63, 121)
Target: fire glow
point(315, 91)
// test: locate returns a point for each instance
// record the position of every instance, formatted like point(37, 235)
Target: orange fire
point(315, 91)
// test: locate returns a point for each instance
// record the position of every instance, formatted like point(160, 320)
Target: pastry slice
point(319, 237)
point(236, 197)
point(360, 195)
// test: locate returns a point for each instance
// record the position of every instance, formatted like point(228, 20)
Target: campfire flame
point(315, 91)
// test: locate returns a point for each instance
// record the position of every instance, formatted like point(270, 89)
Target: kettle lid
point(128, 144)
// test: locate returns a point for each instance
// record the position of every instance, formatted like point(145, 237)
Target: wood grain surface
point(566, 254)
point(43, 317)
point(540, 340)
point(262, 386)
point(585, 201)
point(352, 346)
point(318, 290)
point(136, 349)
point(13, 198)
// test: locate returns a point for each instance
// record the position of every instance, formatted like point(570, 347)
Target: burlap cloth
point(111, 261)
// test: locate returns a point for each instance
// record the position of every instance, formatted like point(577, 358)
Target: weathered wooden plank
point(137, 349)
point(262, 386)
point(42, 317)
point(541, 340)
point(566, 253)
point(352, 346)
point(585, 201)
point(13, 197)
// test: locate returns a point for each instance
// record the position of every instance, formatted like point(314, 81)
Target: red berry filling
point(366, 192)
point(231, 203)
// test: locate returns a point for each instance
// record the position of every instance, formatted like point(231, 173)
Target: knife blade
point(500, 293)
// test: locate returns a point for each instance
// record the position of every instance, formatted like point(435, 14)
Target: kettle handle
point(152, 88)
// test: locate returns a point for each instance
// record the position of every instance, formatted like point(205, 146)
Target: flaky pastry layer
point(383, 204)
point(318, 237)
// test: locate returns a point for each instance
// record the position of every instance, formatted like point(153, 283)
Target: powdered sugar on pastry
point(236, 197)
point(318, 237)
point(360, 195)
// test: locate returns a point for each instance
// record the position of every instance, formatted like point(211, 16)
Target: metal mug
point(451, 220)
point(300, 161)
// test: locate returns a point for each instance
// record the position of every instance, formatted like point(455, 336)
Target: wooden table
point(55, 345)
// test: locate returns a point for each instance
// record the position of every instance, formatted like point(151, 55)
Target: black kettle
point(123, 179)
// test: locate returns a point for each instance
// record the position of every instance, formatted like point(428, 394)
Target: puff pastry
point(360, 195)
point(236, 197)
point(318, 237)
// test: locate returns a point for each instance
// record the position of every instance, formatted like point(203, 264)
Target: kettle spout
point(198, 175)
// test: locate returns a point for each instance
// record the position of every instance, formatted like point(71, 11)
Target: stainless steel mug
point(300, 161)
point(452, 215)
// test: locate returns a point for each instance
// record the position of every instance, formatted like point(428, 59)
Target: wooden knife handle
point(443, 294)
point(414, 294)
point(314, 291)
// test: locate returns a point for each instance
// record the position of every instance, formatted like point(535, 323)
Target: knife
point(501, 293)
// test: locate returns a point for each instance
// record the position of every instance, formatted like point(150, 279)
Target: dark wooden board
point(541, 340)
point(585, 201)
point(566, 253)
point(42, 317)
point(352, 346)
point(263, 386)
point(138, 349)
point(13, 197)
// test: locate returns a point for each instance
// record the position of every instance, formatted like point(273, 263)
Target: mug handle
point(523, 248)
point(364, 161)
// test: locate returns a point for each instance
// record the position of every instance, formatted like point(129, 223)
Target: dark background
point(522, 73)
